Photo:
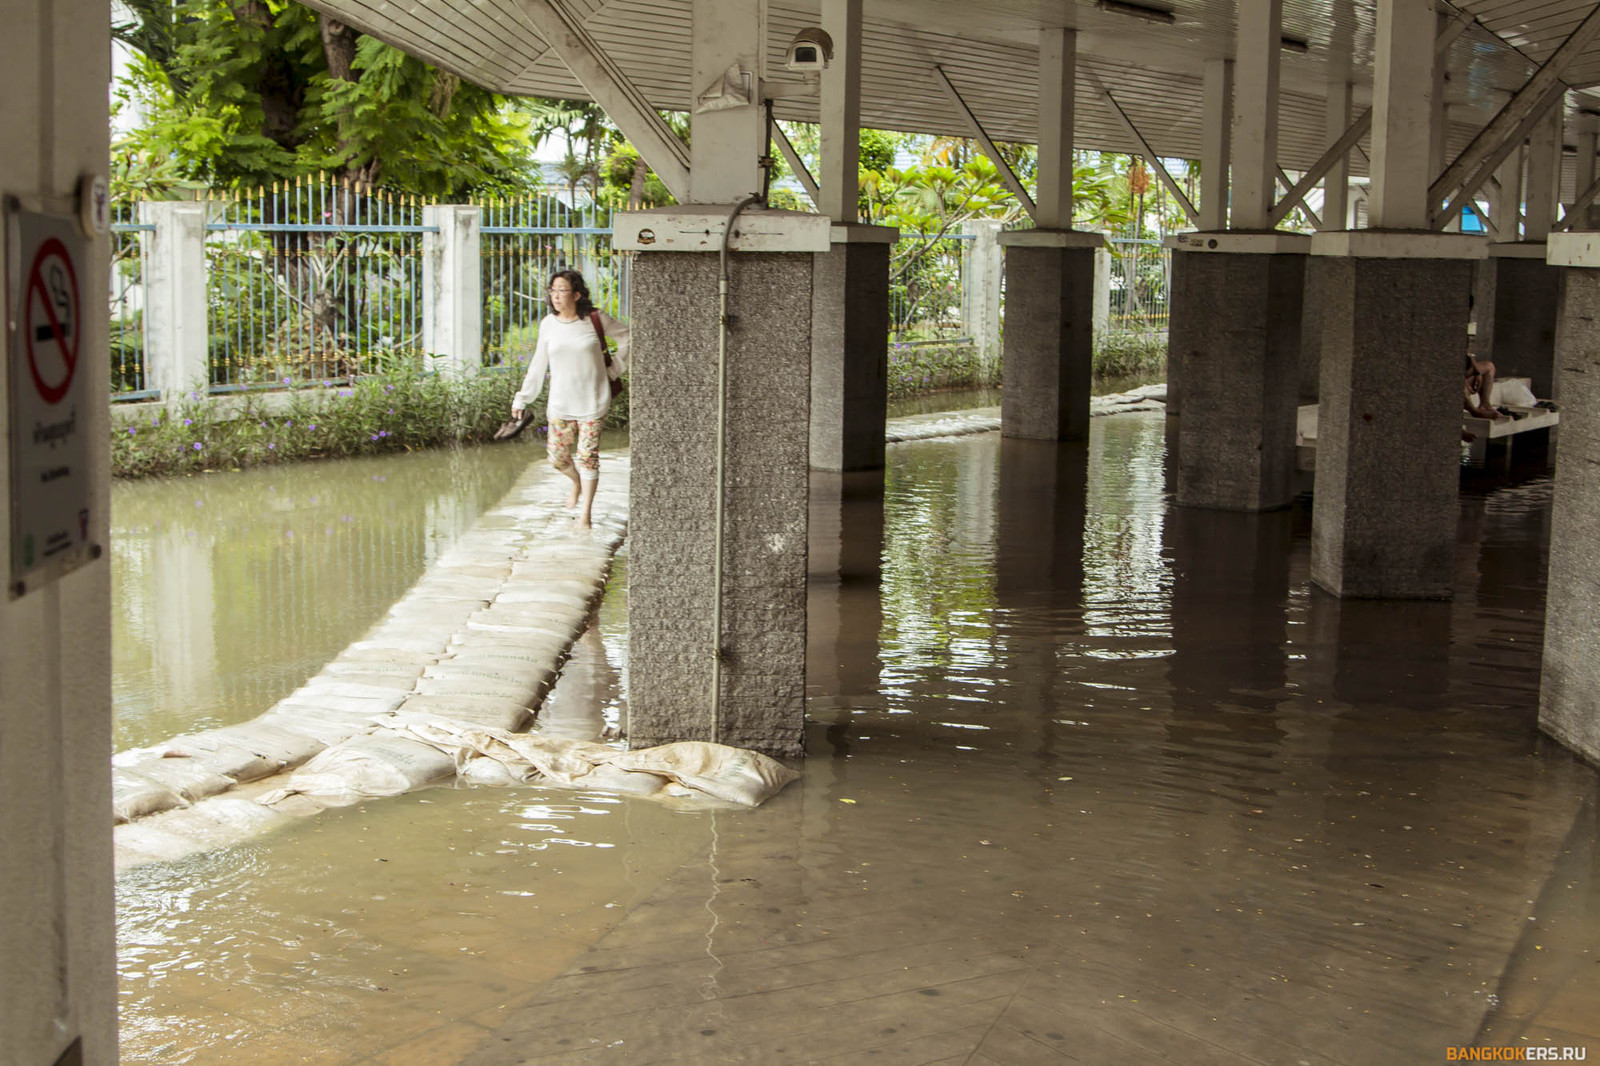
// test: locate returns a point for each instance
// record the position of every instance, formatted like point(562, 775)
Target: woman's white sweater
point(571, 352)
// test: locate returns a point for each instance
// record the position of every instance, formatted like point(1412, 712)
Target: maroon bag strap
point(594, 319)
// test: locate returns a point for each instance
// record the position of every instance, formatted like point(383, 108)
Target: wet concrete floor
point(1091, 779)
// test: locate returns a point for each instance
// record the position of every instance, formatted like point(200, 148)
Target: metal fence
point(1141, 283)
point(127, 334)
point(524, 241)
point(312, 280)
point(926, 277)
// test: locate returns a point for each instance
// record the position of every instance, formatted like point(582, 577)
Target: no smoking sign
point(50, 326)
point(50, 405)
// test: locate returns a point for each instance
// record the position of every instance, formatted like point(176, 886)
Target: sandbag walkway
point(478, 641)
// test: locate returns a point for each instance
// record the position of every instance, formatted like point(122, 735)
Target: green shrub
point(1121, 354)
point(927, 368)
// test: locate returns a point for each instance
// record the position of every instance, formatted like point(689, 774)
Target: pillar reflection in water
point(1229, 666)
point(844, 605)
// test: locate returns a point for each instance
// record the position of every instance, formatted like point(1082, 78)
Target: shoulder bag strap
point(594, 319)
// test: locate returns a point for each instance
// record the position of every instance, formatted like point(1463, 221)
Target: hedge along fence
point(370, 416)
point(409, 411)
point(916, 369)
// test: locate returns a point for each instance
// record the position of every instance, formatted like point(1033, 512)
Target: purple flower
point(131, 431)
point(271, 446)
point(374, 436)
point(188, 421)
point(197, 445)
point(385, 433)
point(313, 427)
point(391, 410)
point(388, 388)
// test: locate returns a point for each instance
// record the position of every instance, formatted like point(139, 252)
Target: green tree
point(245, 92)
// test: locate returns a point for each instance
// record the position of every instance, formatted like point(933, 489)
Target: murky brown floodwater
point(1107, 778)
point(229, 590)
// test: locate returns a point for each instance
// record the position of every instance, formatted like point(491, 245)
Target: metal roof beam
point(1283, 179)
point(981, 135)
point(1579, 206)
point(1498, 153)
point(1155, 160)
point(1471, 167)
point(1358, 129)
point(661, 148)
point(798, 165)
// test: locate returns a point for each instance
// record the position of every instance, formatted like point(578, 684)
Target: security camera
point(810, 51)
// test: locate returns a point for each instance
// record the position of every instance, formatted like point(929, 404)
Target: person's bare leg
point(577, 487)
point(1485, 370)
point(586, 503)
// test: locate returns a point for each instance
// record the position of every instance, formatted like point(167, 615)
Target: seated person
point(1476, 387)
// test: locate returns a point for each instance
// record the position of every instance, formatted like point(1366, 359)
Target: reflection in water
point(230, 590)
point(1087, 773)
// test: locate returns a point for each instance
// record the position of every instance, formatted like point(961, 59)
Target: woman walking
point(572, 347)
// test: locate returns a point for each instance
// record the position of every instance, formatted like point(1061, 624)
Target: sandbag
point(379, 764)
point(248, 751)
point(192, 780)
point(133, 795)
point(739, 776)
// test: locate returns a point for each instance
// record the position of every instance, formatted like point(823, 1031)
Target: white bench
point(1524, 420)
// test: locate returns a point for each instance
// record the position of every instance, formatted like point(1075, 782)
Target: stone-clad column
point(1518, 303)
point(850, 348)
point(1235, 338)
point(1389, 428)
point(1048, 359)
point(672, 593)
point(1569, 695)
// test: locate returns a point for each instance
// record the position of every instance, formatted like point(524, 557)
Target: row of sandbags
point(476, 642)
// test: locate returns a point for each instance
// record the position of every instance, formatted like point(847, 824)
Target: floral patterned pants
point(564, 434)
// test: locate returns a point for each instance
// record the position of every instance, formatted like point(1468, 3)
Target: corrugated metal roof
point(991, 56)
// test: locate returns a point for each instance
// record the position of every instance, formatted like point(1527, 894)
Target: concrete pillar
point(1058, 59)
point(839, 174)
point(980, 292)
point(673, 596)
point(452, 287)
point(1235, 336)
point(1583, 168)
point(1336, 183)
point(1544, 175)
point(1216, 129)
point(1049, 346)
point(1402, 114)
point(175, 298)
point(850, 349)
point(1388, 444)
point(1310, 361)
point(1517, 303)
point(1569, 695)
point(57, 943)
point(1100, 319)
point(1508, 204)
point(726, 138)
point(1255, 119)
point(1049, 343)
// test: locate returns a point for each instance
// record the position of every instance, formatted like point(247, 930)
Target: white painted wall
point(57, 945)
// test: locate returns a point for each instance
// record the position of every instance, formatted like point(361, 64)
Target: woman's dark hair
point(575, 279)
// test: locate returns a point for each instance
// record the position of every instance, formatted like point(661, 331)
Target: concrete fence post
point(980, 295)
point(452, 288)
point(1101, 320)
point(175, 297)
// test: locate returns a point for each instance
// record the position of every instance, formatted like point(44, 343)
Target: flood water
point(1090, 778)
point(231, 589)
